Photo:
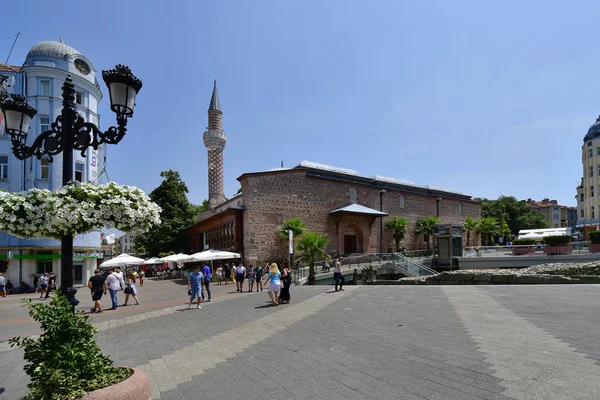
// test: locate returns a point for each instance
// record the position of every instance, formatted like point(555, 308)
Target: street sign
point(291, 241)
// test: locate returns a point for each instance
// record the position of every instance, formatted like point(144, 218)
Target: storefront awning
point(358, 209)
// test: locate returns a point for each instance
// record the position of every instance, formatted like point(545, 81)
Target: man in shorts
point(195, 286)
point(240, 275)
point(97, 285)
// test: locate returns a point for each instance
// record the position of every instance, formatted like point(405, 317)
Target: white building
point(40, 79)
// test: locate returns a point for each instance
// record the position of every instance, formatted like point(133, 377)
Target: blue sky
point(487, 98)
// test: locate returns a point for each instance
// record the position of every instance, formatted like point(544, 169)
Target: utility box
point(447, 245)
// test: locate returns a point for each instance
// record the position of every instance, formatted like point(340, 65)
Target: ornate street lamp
point(70, 132)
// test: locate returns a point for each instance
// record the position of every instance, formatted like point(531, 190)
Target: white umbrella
point(153, 260)
point(210, 255)
point(122, 260)
point(177, 258)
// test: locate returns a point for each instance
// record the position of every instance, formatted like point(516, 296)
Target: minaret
point(215, 140)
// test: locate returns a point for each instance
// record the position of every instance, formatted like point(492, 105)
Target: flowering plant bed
point(76, 208)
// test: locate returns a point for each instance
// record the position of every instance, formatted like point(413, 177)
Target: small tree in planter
point(595, 238)
point(558, 244)
point(65, 362)
point(523, 250)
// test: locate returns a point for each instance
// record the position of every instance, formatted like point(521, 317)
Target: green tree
point(513, 215)
point(424, 226)
point(311, 247)
point(177, 214)
point(469, 226)
point(293, 224)
point(398, 227)
point(488, 227)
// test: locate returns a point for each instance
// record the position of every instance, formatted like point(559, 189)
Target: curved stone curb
point(136, 387)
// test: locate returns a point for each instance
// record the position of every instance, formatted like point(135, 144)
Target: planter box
point(136, 387)
point(558, 250)
point(595, 248)
point(519, 251)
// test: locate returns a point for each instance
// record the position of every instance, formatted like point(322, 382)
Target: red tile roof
point(10, 68)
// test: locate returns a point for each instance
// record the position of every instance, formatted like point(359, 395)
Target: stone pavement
point(397, 342)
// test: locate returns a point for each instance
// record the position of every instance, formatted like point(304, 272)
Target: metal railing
point(411, 265)
point(525, 250)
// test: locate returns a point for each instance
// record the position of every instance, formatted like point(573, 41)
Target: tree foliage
point(513, 214)
point(424, 226)
point(469, 226)
point(177, 214)
point(398, 227)
point(488, 227)
point(311, 247)
point(293, 224)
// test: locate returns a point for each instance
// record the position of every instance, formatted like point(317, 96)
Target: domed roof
point(593, 132)
point(52, 49)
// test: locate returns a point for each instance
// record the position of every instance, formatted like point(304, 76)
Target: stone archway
point(353, 239)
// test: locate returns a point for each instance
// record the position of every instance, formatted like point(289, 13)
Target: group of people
point(113, 281)
point(278, 290)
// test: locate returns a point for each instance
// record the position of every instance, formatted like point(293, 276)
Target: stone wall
point(272, 197)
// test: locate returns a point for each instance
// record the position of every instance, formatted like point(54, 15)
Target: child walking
point(273, 277)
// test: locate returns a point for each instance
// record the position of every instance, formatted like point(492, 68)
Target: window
point(556, 216)
point(352, 195)
point(591, 172)
point(581, 197)
point(3, 167)
point(589, 144)
point(598, 150)
point(45, 168)
point(45, 88)
point(79, 97)
point(593, 213)
point(591, 153)
point(592, 191)
point(581, 213)
point(401, 202)
point(460, 209)
point(79, 172)
point(44, 124)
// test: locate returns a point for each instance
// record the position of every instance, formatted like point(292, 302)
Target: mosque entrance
point(353, 240)
point(350, 243)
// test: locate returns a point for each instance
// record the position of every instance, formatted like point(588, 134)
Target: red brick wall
point(271, 198)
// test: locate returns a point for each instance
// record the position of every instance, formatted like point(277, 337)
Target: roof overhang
point(358, 209)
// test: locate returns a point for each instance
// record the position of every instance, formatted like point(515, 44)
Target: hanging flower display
point(76, 208)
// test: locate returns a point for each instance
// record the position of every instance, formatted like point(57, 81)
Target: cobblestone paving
point(488, 342)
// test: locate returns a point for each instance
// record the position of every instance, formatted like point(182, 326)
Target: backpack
point(259, 272)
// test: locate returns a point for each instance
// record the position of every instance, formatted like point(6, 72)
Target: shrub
point(594, 237)
point(558, 240)
point(64, 362)
point(523, 242)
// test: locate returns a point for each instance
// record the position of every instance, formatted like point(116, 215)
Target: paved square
point(396, 342)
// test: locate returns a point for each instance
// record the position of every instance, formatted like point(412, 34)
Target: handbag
point(128, 290)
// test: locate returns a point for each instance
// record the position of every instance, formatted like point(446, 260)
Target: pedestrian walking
point(2, 285)
point(220, 274)
point(240, 275)
point(260, 271)
point(338, 275)
point(97, 285)
point(131, 290)
point(36, 279)
point(207, 277)
point(141, 275)
point(43, 285)
point(251, 274)
point(114, 282)
point(273, 277)
point(286, 280)
point(51, 283)
point(233, 273)
point(195, 286)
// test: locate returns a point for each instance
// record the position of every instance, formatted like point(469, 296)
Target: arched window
point(352, 195)
point(401, 202)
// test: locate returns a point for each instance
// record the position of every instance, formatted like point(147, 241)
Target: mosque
point(348, 207)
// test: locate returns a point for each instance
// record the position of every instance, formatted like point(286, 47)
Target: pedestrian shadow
point(2, 390)
point(264, 306)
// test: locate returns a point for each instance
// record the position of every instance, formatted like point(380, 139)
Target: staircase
point(398, 261)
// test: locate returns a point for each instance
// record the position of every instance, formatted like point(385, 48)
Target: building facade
point(555, 214)
point(40, 79)
point(351, 209)
point(588, 192)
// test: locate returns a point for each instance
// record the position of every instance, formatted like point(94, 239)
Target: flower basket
point(76, 208)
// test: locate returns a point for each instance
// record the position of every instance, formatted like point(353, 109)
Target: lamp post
point(381, 192)
point(70, 132)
